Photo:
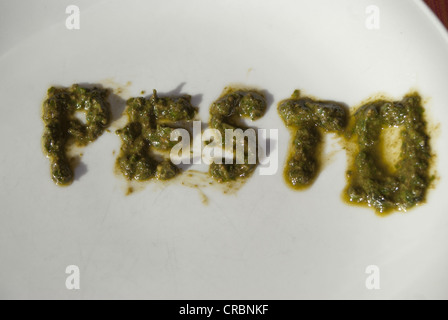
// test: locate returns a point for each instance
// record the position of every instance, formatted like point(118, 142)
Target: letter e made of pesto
point(146, 136)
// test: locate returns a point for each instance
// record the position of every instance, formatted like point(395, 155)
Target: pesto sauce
point(226, 113)
point(369, 181)
point(308, 119)
point(150, 123)
point(63, 129)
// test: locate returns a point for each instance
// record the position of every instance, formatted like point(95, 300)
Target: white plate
point(266, 242)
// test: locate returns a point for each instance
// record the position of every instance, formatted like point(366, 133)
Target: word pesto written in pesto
point(63, 129)
point(151, 122)
point(225, 115)
point(307, 119)
point(155, 134)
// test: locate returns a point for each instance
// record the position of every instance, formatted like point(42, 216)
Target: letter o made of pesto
point(369, 181)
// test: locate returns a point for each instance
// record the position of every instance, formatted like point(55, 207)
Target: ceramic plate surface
point(264, 242)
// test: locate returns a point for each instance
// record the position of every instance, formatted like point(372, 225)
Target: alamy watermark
point(236, 147)
point(73, 21)
point(73, 281)
point(373, 17)
point(373, 278)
